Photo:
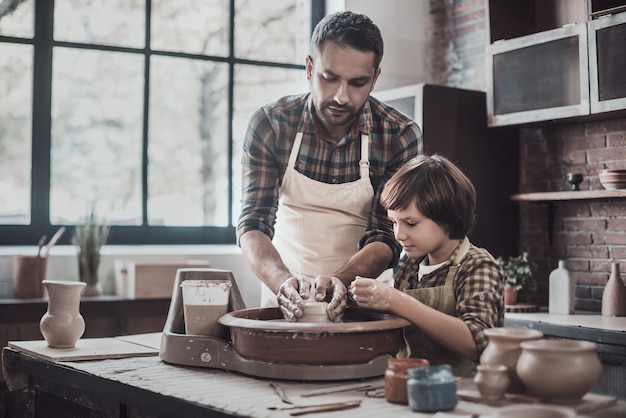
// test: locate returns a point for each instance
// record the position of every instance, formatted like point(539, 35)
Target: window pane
point(276, 31)
point(188, 149)
point(195, 27)
point(16, 73)
point(96, 135)
point(110, 22)
point(254, 87)
point(20, 22)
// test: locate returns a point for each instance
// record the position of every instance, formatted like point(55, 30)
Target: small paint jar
point(431, 388)
point(396, 377)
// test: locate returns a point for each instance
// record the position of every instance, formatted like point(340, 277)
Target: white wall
point(405, 27)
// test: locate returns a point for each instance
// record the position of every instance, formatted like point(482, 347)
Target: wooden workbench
point(147, 387)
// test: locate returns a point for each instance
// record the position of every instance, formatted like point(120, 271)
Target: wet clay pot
point(62, 324)
point(559, 371)
point(315, 312)
point(396, 377)
point(504, 348)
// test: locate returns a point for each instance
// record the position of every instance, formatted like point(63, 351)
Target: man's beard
point(347, 116)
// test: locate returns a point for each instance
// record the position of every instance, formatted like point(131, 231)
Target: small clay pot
point(492, 381)
point(396, 377)
point(559, 371)
point(504, 348)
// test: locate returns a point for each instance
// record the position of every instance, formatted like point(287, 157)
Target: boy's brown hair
point(439, 190)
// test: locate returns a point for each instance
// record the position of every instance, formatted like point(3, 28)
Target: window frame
point(43, 44)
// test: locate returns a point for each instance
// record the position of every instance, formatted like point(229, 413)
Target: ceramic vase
point(62, 324)
point(397, 376)
point(504, 348)
point(492, 381)
point(559, 371)
point(614, 294)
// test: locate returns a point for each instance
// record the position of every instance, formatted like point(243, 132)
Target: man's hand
point(371, 293)
point(329, 286)
point(291, 296)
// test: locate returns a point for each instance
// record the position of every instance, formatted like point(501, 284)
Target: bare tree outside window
point(146, 126)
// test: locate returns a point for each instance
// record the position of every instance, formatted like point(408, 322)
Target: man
point(313, 168)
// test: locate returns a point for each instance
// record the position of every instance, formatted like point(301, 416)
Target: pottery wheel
point(262, 334)
point(262, 344)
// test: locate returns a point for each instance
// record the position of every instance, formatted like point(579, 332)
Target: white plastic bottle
point(561, 292)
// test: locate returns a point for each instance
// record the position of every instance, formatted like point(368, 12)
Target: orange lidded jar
point(396, 377)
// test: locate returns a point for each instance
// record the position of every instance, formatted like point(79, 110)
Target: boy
point(449, 289)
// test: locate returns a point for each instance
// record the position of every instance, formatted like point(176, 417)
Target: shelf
point(569, 195)
point(551, 197)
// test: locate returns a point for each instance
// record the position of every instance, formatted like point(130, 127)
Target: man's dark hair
point(349, 29)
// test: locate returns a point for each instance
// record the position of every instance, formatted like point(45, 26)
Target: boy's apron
point(417, 343)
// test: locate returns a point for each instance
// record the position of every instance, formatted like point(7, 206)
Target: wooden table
point(147, 387)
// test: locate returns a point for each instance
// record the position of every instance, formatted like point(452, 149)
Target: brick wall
point(588, 234)
point(469, 34)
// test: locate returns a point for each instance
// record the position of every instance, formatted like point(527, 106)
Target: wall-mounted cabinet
point(573, 71)
point(538, 77)
point(607, 63)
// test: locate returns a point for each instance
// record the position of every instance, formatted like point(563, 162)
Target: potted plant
point(518, 274)
point(90, 237)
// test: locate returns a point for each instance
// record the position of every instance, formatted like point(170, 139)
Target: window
point(137, 110)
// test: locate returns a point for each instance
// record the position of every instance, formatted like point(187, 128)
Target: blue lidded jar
point(431, 388)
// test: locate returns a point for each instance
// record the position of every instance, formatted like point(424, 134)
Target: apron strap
point(364, 164)
point(294, 151)
point(463, 249)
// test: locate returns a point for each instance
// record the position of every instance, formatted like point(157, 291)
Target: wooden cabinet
point(569, 71)
point(454, 124)
point(607, 63)
point(105, 316)
point(538, 77)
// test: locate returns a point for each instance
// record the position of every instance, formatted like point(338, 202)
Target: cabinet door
point(607, 63)
point(538, 77)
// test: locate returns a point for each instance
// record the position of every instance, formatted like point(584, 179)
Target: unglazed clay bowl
point(559, 371)
point(263, 334)
point(613, 179)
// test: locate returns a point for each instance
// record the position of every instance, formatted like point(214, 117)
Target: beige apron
point(441, 298)
point(318, 225)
